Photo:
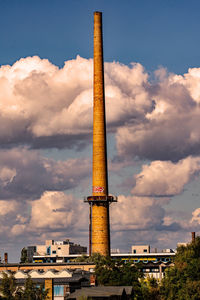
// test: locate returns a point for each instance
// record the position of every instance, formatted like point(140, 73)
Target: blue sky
point(46, 120)
point(153, 33)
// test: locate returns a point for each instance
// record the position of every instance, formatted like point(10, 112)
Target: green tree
point(94, 258)
point(24, 256)
point(41, 293)
point(10, 291)
point(8, 288)
point(150, 289)
point(82, 258)
point(182, 282)
point(111, 272)
point(32, 292)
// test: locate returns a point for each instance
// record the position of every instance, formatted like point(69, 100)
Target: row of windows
point(150, 270)
point(150, 259)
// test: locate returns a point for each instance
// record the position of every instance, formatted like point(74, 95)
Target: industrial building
point(60, 248)
point(151, 264)
point(54, 251)
point(60, 283)
point(140, 257)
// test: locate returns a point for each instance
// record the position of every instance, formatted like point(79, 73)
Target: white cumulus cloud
point(165, 178)
point(45, 106)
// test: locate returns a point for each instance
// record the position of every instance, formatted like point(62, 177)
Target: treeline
point(181, 282)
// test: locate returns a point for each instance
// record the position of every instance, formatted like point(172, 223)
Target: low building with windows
point(60, 283)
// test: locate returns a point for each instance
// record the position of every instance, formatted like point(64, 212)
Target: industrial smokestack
point(100, 180)
point(100, 200)
point(6, 257)
point(100, 214)
point(193, 236)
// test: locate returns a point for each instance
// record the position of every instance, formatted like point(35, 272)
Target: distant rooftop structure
point(168, 250)
point(52, 242)
point(114, 251)
point(103, 292)
point(138, 249)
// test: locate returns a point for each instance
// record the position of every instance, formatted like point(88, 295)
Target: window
point(154, 270)
point(59, 248)
point(134, 250)
point(59, 290)
point(54, 252)
point(145, 250)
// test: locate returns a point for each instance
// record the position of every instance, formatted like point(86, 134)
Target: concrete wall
point(41, 249)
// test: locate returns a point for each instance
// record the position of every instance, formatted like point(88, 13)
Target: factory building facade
point(54, 251)
point(60, 248)
point(60, 283)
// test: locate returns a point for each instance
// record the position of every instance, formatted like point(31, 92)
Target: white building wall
point(59, 248)
point(138, 249)
point(41, 249)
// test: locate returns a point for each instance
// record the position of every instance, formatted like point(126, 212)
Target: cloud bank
point(43, 106)
point(25, 174)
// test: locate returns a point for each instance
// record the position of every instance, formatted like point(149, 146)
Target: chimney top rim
point(97, 13)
